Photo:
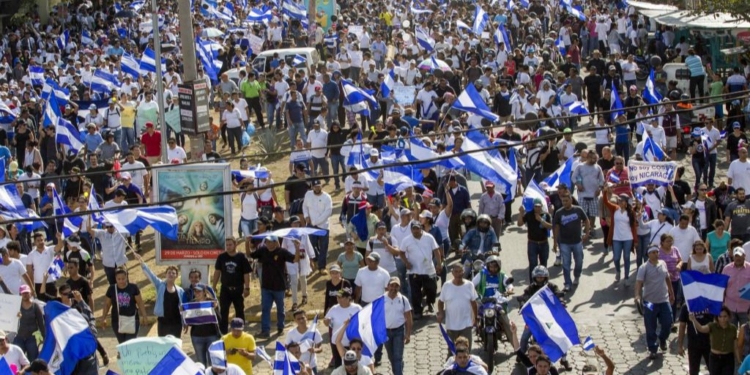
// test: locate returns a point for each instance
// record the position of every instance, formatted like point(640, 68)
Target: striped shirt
point(695, 65)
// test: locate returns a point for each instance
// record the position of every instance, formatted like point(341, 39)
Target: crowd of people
point(529, 63)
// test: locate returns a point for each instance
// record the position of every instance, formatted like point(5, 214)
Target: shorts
point(671, 143)
point(590, 206)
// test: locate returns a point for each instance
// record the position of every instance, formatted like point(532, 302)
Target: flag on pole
point(285, 363)
point(451, 345)
point(36, 74)
point(588, 344)
point(471, 101)
point(55, 270)
point(480, 20)
point(68, 340)
point(218, 353)
point(616, 103)
point(176, 362)
point(532, 193)
point(650, 95)
point(369, 325)
point(550, 324)
point(704, 291)
point(260, 351)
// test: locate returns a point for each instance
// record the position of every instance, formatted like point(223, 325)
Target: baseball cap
point(426, 213)
point(350, 358)
point(567, 131)
point(405, 211)
point(348, 240)
point(125, 176)
point(317, 183)
point(736, 125)
point(121, 193)
point(538, 202)
point(380, 224)
point(335, 268)
point(436, 202)
point(374, 152)
point(688, 204)
point(238, 323)
point(416, 224)
point(23, 289)
point(375, 257)
point(394, 280)
point(357, 184)
point(149, 124)
point(272, 238)
point(738, 251)
point(489, 184)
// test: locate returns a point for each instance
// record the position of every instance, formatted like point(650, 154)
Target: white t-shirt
point(295, 336)
point(176, 153)
point(387, 260)
point(373, 283)
point(231, 369)
point(739, 172)
point(12, 275)
point(317, 140)
point(457, 300)
point(338, 315)
point(419, 253)
point(442, 223)
point(137, 172)
point(684, 240)
point(40, 262)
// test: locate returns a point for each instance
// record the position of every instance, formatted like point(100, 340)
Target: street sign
point(194, 111)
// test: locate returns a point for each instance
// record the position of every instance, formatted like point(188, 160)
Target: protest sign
point(10, 305)
point(641, 173)
point(404, 95)
point(256, 43)
point(140, 355)
point(173, 120)
point(357, 30)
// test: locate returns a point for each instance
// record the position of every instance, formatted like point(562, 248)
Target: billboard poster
point(204, 222)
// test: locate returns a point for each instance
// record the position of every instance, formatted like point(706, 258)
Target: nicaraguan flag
point(561, 175)
point(68, 340)
point(6, 114)
point(130, 220)
point(471, 101)
point(63, 40)
point(176, 362)
point(356, 99)
point(472, 368)
point(501, 35)
point(198, 313)
point(50, 87)
point(99, 85)
point(118, 7)
point(387, 85)
point(52, 112)
point(614, 178)
point(461, 25)
point(615, 103)
point(359, 220)
point(417, 10)
point(550, 324)
point(561, 46)
point(130, 65)
point(588, 344)
point(577, 108)
point(424, 40)
point(480, 20)
point(228, 10)
point(36, 74)
point(298, 60)
point(93, 205)
point(398, 178)
point(573, 11)
point(71, 224)
point(5, 368)
point(148, 62)
point(3, 170)
point(704, 291)
point(260, 351)
point(86, 38)
point(263, 14)
point(651, 150)
point(218, 353)
point(55, 270)
point(451, 345)
point(294, 10)
point(533, 191)
point(723, 134)
point(68, 135)
point(10, 199)
point(137, 5)
point(369, 326)
point(211, 64)
point(285, 363)
point(110, 78)
point(650, 95)
point(487, 166)
point(418, 151)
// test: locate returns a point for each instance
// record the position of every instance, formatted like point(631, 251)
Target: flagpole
point(159, 79)
point(687, 305)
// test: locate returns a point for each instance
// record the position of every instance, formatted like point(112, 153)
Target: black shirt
point(233, 269)
point(536, 232)
point(124, 302)
point(695, 338)
point(593, 85)
point(172, 306)
point(283, 224)
point(274, 262)
point(606, 165)
point(332, 292)
point(296, 188)
point(81, 286)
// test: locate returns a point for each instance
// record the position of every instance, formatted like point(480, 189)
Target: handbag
point(125, 324)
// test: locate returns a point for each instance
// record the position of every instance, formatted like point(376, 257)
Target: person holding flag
point(538, 224)
point(309, 339)
point(39, 260)
point(722, 336)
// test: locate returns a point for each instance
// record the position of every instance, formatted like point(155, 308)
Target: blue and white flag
point(211, 63)
point(561, 175)
point(298, 60)
point(560, 44)
point(550, 324)
point(68, 135)
point(487, 166)
point(162, 218)
point(263, 14)
point(501, 35)
point(129, 65)
point(110, 78)
point(71, 224)
point(63, 40)
point(577, 108)
point(294, 10)
point(471, 101)
point(6, 114)
point(68, 340)
point(588, 344)
point(93, 205)
point(418, 10)
point(260, 351)
point(651, 150)
point(285, 363)
point(532, 192)
point(573, 11)
point(448, 341)
point(137, 5)
point(480, 20)
point(472, 368)
point(52, 113)
point(55, 270)
point(650, 95)
point(218, 353)
point(704, 291)
point(614, 178)
point(369, 326)
point(99, 85)
point(36, 74)
point(424, 40)
point(86, 38)
point(397, 178)
point(50, 87)
point(615, 104)
point(176, 362)
point(5, 367)
point(461, 25)
point(356, 99)
point(418, 151)
point(228, 10)
point(198, 313)
point(148, 62)
point(387, 85)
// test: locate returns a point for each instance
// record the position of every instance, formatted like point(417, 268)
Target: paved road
point(602, 309)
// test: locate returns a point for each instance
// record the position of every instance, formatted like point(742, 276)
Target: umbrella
point(433, 63)
point(127, 13)
point(292, 233)
point(212, 32)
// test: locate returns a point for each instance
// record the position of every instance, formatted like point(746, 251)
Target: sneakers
point(558, 262)
point(576, 281)
point(263, 335)
point(279, 331)
point(652, 355)
point(617, 276)
point(663, 345)
point(564, 363)
point(566, 289)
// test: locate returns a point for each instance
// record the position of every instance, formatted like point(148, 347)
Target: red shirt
point(152, 143)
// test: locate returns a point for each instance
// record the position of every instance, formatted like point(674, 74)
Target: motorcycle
point(474, 263)
point(492, 318)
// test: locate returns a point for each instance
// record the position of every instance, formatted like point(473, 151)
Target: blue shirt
point(622, 133)
point(93, 141)
point(5, 154)
point(331, 91)
point(695, 65)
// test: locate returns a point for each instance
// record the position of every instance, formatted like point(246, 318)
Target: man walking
point(538, 224)
point(233, 269)
point(493, 205)
point(653, 291)
point(418, 251)
point(454, 298)
point(398, 323)
point(461, 201)
point(568, 223)
point(317, 207)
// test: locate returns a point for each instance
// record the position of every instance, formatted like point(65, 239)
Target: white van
point(262, 62)
point(679, 72)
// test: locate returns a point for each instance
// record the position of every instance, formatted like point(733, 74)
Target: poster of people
point(202, 221)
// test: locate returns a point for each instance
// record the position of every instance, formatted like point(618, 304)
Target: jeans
point(200, 345)
point(401, 269)
point(323, 164)
point(247, 227)
point(253, 104)
point(538, 254)
point(86, 240)
point(711, 169)
point(128, 139)
point(697, 82)
point(376, 199)
point(640, 250)
point(110, 273)
point(298, 283)
point(234, 136)
point(321, 243)
point(230, 296)
point(696, 351)
point(721, 364)
point(295, 129)
point(701, 170)
point(333, 112)
point(395, 349)
point(623, 149)
point(569, 253)
point(118, 136)
point(678, 299)
point(271, 114)
point(622, 249)
point(338, 161)
point(661, 313)
point(267, 299)
point(30, 347)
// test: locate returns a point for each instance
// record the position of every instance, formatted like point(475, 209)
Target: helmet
point(494, 258)
point(478, 83)
point(684, 96)
point(468, 213)
point(539, 271)
point(484, 217)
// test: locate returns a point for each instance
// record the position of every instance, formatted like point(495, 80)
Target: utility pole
point(190, 68)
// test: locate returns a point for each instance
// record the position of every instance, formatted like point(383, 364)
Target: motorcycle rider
point(540, 276)
point(477, 241)
point(492, 283)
